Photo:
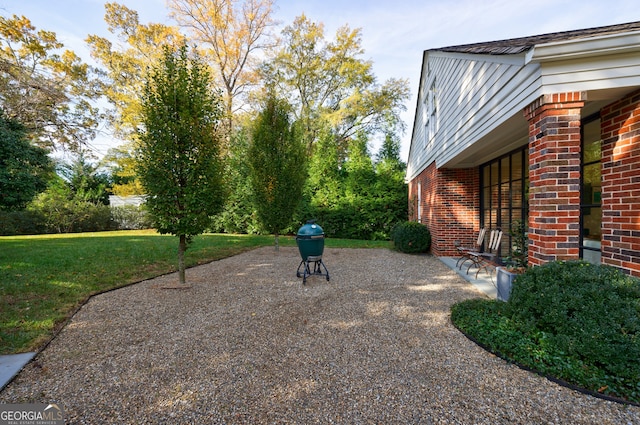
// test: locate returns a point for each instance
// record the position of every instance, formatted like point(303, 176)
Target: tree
point(24, 168)
point(390, 151)
point(326, 173)
point(328, 82)
point(277, 161)
point(238, 215)
point(351, 197)
point(47, 89)
point(179, 160)
point(125, 65)
point(121, 163)
point(86, 181)
point(66, 211)
point(233, 32)
point(360, 175)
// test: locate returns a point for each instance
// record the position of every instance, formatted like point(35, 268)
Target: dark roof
point(519, 45)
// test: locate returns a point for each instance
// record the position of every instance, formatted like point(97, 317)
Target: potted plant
point(516, 263)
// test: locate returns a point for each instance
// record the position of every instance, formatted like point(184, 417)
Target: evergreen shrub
point(56, 217)
point(586, 311)
point(573, 320)
point(411, 237)
point(25, 222)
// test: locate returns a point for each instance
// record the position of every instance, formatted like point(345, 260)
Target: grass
point(45, 278)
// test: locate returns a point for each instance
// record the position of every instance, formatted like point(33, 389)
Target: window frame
point(495, 205)
point(584, 205)
point(430, 114)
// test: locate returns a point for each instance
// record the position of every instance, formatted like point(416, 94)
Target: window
point(433, 111)
point(425, 120)
point(503, 197)
point(591, 189)
point(430, 115)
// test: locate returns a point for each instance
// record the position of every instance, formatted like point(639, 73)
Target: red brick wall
point(620, 123)
point(413, 200)
point(450, 203)
point(429, 186)
point(450, 200)
point(554, 175)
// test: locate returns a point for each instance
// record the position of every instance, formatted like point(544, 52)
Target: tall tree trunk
point(228, 119)
point(182, 247)
point(277, 242)
point(229, 106)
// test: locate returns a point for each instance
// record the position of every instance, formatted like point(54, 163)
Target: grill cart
point(310, 240)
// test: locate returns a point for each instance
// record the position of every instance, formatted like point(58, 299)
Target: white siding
point(597, 73)
point(481, 97)
point(119, 201)
point(475, 95)
point(483, 90)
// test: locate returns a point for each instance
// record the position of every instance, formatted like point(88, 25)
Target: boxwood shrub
point(586, 311)
point(572, 320)
point(411, 237)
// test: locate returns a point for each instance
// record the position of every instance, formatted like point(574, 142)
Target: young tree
point(24, 169)
point(277, 161)
point(47, 89)
point(179, 160)
point(238, 215)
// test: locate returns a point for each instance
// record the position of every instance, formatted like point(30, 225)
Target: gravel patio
point(247, 343)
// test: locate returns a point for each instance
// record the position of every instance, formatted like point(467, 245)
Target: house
point(544, 128)
point(121, 201)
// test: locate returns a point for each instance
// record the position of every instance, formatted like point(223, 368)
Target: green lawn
point(45, 278)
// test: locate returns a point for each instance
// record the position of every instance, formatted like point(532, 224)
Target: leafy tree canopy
point(24, 168)
point(47, 89)
point(229, 33)
point(125, 65)
point(327, 81)
point(121, 163)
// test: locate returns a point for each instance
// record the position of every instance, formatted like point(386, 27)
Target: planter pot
point(504, 281)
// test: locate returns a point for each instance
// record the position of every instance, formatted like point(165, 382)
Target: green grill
point(310, 241)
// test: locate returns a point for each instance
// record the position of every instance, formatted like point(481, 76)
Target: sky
point(394, 33)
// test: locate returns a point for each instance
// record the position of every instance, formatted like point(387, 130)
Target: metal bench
point(464, 251)
point(484, 260)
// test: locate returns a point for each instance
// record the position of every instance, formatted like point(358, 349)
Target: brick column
point(554, 177)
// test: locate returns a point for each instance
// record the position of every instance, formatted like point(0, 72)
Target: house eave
point(612, 44)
